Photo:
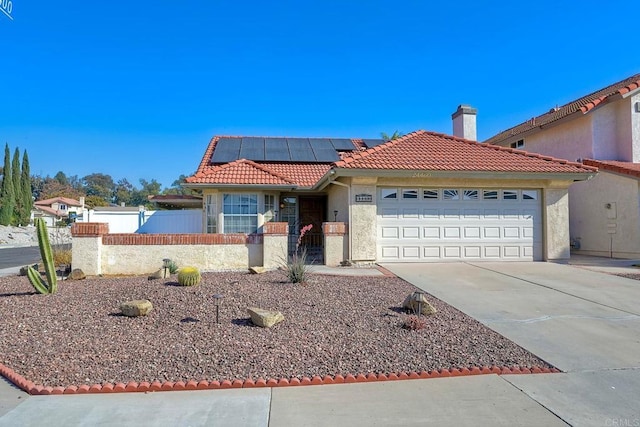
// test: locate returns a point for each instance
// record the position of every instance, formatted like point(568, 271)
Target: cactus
point(51, 285)
point(189, 276)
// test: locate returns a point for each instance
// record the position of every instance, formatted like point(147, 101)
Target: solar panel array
point(308, 150)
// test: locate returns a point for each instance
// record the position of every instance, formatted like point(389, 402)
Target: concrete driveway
point(586, 323)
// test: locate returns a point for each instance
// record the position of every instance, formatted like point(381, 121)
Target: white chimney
point(464, 122)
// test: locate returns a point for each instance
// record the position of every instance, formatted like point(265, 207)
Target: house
point(423, 197)
point(601, 129)
point(57, 209)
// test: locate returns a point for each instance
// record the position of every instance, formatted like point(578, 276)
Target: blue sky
point(137, 89)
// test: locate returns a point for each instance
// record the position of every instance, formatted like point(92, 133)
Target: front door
point(312, 210)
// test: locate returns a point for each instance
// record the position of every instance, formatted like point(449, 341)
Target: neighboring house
point(601, 129)
point(423, 197)
point(176, 201)
point(57, 209)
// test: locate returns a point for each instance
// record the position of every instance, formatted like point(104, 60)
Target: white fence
point(148, 222)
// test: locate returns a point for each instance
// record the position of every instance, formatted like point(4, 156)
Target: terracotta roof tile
point(65, 200)
point(624, 168)
point(423, 150)
point(583, 105)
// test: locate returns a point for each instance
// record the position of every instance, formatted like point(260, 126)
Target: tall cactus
point(51, 285)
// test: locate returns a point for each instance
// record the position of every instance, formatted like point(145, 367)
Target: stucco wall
point(363, 229)
point(556, 223)
point(338, 200)
point(604, 216)
point(635, 126)
point(571, 140)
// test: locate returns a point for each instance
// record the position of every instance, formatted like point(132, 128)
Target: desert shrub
point(296, 267)
point(414, 323)
point(61, 257)
point(189, 276)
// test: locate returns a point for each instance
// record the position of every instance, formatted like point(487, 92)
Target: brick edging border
point(132, 386)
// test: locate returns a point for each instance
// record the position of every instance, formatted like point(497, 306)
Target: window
point(518, 144)
point(240, 213)
point(430, 194)
point(62, 207)
point(389, 193)
point(490, 195)
point(510, 195)
point(529, 194)
point(470, 195)
point(410, 194)
point(269, 207)
point(211, 213)
point(451, 194)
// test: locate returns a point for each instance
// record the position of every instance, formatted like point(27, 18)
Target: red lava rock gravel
point(333, 325)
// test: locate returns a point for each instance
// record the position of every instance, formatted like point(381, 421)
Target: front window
point(240, 213)
point(269, 207)
point(62, 207)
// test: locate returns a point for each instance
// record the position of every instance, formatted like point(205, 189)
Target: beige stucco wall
point(130, 259)
point(275, 250)
point(363, 227)
point(334, 249)
point(605, 230)
point(86, 254)
point(556, 224)
point(635, 126)
point(571, 140)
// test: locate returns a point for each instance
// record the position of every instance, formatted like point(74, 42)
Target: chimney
point(464, 122)
point(81, 202)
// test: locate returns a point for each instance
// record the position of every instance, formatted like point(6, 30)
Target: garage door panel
point(411, 252)
point(472, 232)
point(390, 232)
point(451, 232)
point(511, 251)
point(391, 252)
point(431, 252)
point(410, 232)
point(431, 213)
point(452, 251)
point(472, 251)
point(511, 232)
point(492, 252)
point(431, 232)
point(410, 213)
point(389, 213)
point(491, 232)
point(452, 213)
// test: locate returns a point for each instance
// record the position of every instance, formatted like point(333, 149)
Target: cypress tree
point(15, 175)
point(26, 194)
point(7, 195)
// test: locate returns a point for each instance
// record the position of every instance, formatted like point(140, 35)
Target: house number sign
point(364, 198)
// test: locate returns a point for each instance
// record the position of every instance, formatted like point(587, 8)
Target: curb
point(135, 387)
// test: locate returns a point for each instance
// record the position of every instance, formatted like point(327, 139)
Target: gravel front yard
point(333, 325)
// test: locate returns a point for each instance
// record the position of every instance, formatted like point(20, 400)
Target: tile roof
point(624, 168)
point(65, 200)
point(418, 151)
point(582, 105)
point(51, 211)
point(423, 150)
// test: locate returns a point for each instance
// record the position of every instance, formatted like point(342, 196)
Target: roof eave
point(243, 186)
point(422, 173)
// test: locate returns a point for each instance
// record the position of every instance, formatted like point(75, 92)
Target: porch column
point(86, 246)
point(335, 242)
point(275, 244)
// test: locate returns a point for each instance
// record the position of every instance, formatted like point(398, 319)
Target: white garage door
point(440, 224)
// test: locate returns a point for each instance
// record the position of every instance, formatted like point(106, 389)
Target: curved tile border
point(132, 386)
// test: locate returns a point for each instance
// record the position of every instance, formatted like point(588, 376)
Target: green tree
point(124, 192)
point(7, 195)
point(394, 135)
point(177, 188)
point(91, 202)
point(149, 188)
point(100, 185)
point(25, 191)
point(61, 178)
point(15, 176)
point(51, 187)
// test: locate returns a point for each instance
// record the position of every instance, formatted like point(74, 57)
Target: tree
point(91, 202)
point(124, 192)
point(394, 135)
point(17, 187)
point(26, 194)
point(50, 188)
point(149, 188)
point(177, 188)
point(61, 178)
point(7, 195)
point(100, 185)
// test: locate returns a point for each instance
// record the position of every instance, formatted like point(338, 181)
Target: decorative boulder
point(264, 318)
point(77, 274)
point(157, 275)
point(413, 301)
point(257, 270)
point(136, 308)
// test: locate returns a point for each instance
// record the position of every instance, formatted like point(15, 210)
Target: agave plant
point(51, 285)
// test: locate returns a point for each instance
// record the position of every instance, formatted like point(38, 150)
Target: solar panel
point(226, 150)
point(342, 144)
point(252, 148)
point(323, 150)
point(276, 149)
point(373, 142)
point(300, 150)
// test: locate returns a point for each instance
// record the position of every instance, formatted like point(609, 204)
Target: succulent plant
point(51, 285)
point(189, 276)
